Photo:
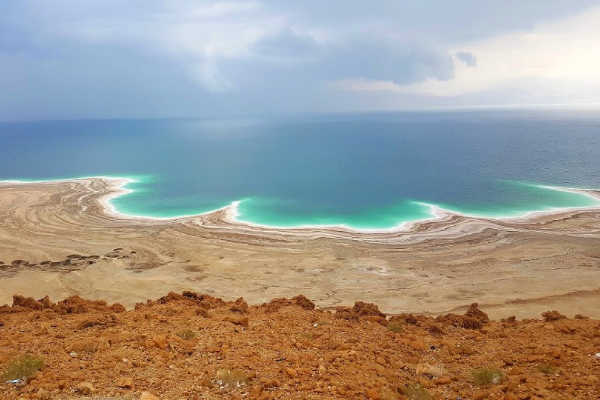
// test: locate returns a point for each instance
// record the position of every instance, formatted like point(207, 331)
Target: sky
point(71, 59)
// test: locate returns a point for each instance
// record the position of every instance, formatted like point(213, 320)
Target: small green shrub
point(415, 391)
point(395, 326)
point(23, 367)
point(388, 394)
point(547, 369)
point(487, 376)
point(186, 334)
point(308, 336)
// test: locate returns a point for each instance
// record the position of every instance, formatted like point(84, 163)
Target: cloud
point(224, 8)
point(551, 53)
point(468, 58)
point(355, 56)
point(67, 58)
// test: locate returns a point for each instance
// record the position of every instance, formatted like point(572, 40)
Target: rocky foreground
point(193, 346)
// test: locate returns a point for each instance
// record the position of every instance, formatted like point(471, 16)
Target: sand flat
point(511, 267)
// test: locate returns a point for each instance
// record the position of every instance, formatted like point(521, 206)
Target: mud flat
point(63, 238)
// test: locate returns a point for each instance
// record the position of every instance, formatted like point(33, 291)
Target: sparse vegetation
point(85, 346)
point(23, 367)
point(287, 352)
point(487, 376)
point(546, 369)
point(186, 334)
point(415, 391)
point(309, 336)
point(231, 378)
point(388, 394)
point(395, 326)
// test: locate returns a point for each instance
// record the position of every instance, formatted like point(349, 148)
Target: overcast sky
point(150, 58)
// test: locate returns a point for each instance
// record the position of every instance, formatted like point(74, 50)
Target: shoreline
point(230, 212)
point(507, 266)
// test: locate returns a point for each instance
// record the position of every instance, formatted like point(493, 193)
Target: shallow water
point(360, 170)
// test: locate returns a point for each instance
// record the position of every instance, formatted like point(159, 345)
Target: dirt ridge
point(196, 346)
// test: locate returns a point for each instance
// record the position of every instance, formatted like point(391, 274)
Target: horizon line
point(498, 107)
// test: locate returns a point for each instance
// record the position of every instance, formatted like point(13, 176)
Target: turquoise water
point(543, 198)
point(366, 171)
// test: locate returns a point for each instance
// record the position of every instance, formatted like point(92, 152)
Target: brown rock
point(345, 313)
point(475, 313)
point(43, 394)
point(171, 296)
point(242, 321)
point(481, 395)
point(125, 383)
point(433, 370)
point(27, 302)
point(240, 306)
point(460, 321)
point(148, 396)
point(304, 302)
point(404, 319)
point(117, 308)
point(160, 341)
point(275, 304)
point(552, 316)
point(362, 309)
point(256, 391)
point(435, 330)
point(88, 323)
point(202, 312)
point(85, 388)
point(373, 394)
point(377, 319)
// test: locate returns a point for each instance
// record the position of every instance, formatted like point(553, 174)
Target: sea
point(366, 171)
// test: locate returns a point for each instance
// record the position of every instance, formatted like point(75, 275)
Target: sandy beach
point(62, 238)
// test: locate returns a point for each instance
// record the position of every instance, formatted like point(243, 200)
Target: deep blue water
point(362, 170)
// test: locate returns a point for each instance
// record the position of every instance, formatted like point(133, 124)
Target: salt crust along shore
point(118, 187)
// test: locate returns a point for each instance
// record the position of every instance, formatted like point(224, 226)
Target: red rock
point(85, 388)
point(460, 321)
point(476, 313)
point(304, 302)
point(552, 316)
point(373, 394)
point(362, 309)
point(377, 319)
point(242, 321)
point(125, 383)
point(240, 306)
point(481, 394)
point(297, 352)
point(160, 341)
point(26, 302)
point(148, 396)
